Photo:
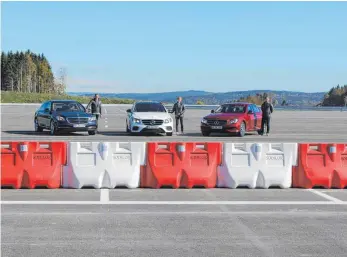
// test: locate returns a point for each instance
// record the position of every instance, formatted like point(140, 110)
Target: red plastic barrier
point(322, 165)
point(32, 164)
point(182, 165)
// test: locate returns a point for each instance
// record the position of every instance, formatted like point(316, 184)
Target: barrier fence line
point(107, 165)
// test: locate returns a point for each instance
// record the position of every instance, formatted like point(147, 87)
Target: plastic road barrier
point(321, 165)
point(32, 164)
point(104, 164)
point(182, 165)
point(257, 165)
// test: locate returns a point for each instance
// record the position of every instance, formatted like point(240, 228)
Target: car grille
point(152, 122)
point(216, 122)
point(77, 120)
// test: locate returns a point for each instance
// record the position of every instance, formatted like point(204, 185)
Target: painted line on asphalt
point(173, 202)
point(104, 195)
point(158, 213)
point(328, 197)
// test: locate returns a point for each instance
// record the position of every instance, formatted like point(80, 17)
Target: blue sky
point(169, 46)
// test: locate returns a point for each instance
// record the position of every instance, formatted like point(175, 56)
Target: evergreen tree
point(27, 72)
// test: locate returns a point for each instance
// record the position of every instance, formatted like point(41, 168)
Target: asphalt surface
point(287, 126)
point(166, 222)
point(182, 222)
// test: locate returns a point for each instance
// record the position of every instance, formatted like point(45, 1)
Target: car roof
point(148, 102)
point(238, 103)
point(65, 101)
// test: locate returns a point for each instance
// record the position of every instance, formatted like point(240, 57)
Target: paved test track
point(197, 222)
point(287, 223)
point(287, 126)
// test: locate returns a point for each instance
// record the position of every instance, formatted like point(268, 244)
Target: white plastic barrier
point(104, 164)
point(257, 165)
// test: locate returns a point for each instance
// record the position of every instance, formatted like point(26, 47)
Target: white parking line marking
point(328, 197)
point(106, 126)
point(175, 202)
point(157, 213)
point(104, 195)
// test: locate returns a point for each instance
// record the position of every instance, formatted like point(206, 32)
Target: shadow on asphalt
point(44, 133)
point(125, 134)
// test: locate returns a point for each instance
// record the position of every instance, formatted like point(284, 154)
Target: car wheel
point(169, 134)
point(53, 129)
point(37, 127)
point(92, 133)
point(205, 134)
point(242, 130)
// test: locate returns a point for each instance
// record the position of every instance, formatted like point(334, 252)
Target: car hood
point(73, 114)
point(151, 115)
point(224, 116)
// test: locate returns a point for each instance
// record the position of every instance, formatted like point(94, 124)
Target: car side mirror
point(47, 110)
point(250, 112)
point(128, 111)
point(212, 111)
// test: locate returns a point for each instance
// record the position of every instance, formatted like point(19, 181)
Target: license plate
point(217, 127)
point(152, 127)
point(79, 125)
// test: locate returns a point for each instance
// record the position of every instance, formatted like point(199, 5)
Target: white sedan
point(149, 117)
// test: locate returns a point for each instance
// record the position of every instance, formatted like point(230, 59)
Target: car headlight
point(204, 121)
point(93, 118)
point(168, 120)
point(60, 118)
point(136, 120)
point(234, 121)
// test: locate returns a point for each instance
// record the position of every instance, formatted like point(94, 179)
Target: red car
point(233, 118)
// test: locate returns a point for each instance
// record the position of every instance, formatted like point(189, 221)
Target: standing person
point(267, 109)
point(179, 110)
point(95, 105)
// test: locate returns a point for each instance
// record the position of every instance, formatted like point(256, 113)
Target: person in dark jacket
point(267, 109)
point(96, 107)
point(179, 110)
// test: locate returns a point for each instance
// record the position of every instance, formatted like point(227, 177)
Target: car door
point(129, 114)
point(39, 114)
point(251, 117)
point(259, 116)
point(46, 115)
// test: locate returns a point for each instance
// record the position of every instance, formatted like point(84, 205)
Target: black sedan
point(64, 116)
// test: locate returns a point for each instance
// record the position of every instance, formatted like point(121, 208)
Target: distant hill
point(203, 97)
point(166, 96)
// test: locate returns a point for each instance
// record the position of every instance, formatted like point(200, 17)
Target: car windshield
point(231, 108)
point(149, 107)
point(67, 107)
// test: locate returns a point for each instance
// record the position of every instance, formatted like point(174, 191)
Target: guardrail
point(211, 107)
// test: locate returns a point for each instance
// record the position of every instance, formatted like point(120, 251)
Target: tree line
point(28, 72)
point(337, 96)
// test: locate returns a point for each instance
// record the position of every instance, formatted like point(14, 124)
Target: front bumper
point(157, 129)
point(228, 128)
point(68, 127)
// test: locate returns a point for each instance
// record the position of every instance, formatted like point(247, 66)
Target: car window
point(149, 107)
point(46, 106)
point(251, 108)
point(42, 107)
point(255, 108)
point(231, 108)
point(67, 107)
